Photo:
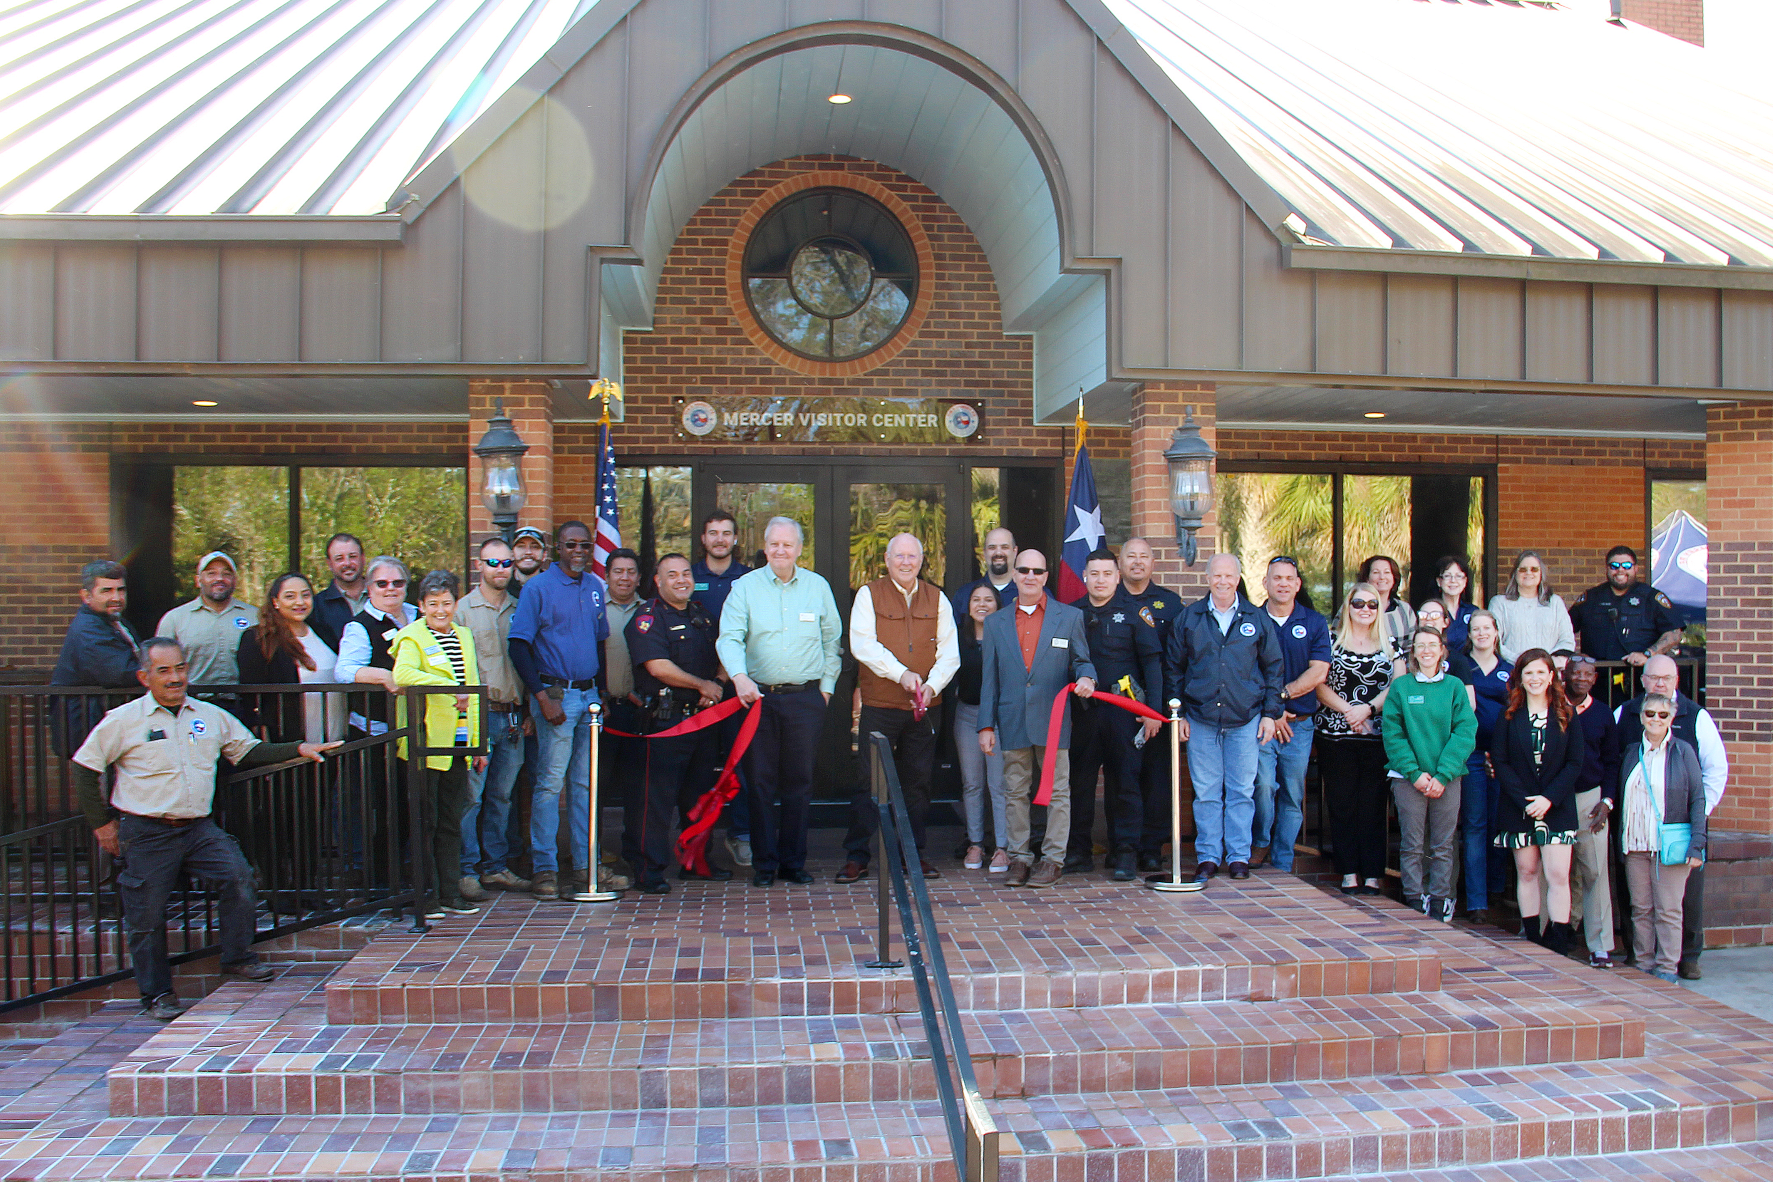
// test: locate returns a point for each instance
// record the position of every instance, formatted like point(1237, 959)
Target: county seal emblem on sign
point(698, 418)
point(961, 420)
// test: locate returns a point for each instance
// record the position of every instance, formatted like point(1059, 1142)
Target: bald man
point(902, 634)
point(1224, 662)
point(1137, 562)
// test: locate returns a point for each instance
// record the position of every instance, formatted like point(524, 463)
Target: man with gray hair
point(778, 640)
point(1224, 662)
point(902, 634)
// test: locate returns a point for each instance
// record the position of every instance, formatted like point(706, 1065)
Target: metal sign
point(834, 419)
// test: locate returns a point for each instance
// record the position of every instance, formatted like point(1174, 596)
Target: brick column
point(531, 408)
point(1739, 605)
point(1157, 412)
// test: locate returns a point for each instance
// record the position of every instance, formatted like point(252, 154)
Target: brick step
point(1745, 1162)
point(684, 956)
point(295, 1065)
point(1218, 1134)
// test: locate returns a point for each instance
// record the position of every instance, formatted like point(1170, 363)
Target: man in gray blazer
point(1033, 649)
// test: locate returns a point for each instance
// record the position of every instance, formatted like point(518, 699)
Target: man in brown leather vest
point(902, 634)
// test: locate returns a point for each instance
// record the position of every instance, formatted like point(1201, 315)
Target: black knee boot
point(1530, 929)
point(1557, 938)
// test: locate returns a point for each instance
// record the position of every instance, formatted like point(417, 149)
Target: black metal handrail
point(328, 841)
point(972, 1133)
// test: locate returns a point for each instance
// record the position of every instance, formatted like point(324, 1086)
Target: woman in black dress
point(1537, 751)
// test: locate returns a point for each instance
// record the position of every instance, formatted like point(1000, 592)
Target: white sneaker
point(1000, 862)
point(975, 857)
point(740, 849)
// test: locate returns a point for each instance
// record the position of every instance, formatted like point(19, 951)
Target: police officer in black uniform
point(1164, 604)
point(1623, 619)
point(1129, 660)
point(676, 672)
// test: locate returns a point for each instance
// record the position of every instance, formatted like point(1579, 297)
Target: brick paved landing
point(1264, 1030)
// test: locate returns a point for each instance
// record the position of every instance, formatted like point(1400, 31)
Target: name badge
point(807, 617)
point(1061, 642)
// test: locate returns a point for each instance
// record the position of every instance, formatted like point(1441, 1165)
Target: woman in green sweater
point(1430, 730)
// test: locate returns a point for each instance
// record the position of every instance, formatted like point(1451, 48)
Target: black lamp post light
point(1190, 459)
point(501, 452)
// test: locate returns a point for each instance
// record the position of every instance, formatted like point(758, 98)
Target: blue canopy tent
point(1677, 563)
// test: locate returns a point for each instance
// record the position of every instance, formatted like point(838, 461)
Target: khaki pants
point(1021, 778)
point(1656, 892)
point(1590, 892)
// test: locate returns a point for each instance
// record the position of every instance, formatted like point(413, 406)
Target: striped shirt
point(451, 644)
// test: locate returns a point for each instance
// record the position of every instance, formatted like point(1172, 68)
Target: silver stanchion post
point(1175, 881)
point(591, 894)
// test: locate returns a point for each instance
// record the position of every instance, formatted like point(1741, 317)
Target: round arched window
point(830, 274)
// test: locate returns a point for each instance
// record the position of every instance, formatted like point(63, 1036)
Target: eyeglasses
point(1621, 565)
point(1364, 605)
point(1031, 570)
point(1659, 714)
point(496, 563)
point(393, 584)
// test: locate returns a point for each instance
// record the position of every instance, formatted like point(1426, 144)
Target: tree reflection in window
point(830, 274)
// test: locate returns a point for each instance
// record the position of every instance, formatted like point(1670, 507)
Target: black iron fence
point(972, 1133)
point(326, 840)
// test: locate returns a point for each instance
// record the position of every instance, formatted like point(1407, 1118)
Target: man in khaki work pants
point(1033, 649)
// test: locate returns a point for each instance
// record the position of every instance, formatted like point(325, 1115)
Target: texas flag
point(1083, 521)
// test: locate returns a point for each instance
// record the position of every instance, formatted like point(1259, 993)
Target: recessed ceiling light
point(1375, 414)
point(840, 99)
point(201, 402)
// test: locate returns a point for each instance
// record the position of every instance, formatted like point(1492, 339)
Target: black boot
point(1530, 929)
point(1557, 938)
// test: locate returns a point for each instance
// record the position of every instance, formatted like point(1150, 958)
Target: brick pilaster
point(1739, 605)
point(531, 407)
point(1678, 18)
point(1157, 411)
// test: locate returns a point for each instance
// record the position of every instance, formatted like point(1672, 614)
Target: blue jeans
point(1222, 764)
point(1486, 870)
point(490, 789)
point(1280, 793)
point(565, 762)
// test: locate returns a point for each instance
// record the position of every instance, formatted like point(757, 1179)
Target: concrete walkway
point(1740, 977)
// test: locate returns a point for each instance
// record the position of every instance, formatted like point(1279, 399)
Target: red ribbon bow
point(1056, 722)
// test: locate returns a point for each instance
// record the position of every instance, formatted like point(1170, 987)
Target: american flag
point(609, 511)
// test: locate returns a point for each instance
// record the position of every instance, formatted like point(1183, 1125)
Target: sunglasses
point(496, 563)
point(1621, 565)
point(1659, 714)
point(1364, 605)
point(1031, 570)
point(390, 583)
point(575, 545)
point(1286, 558)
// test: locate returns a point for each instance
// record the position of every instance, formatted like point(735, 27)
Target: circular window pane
point(831, 278)
point(830, 274)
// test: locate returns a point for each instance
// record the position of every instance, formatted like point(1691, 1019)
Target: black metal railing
point(972, 1133)
point(327, 841)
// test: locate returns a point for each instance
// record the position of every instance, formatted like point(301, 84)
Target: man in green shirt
point(210, 626)
point(778, 639)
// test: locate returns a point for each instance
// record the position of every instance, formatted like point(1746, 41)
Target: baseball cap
point(203, 563)
point(530, 531)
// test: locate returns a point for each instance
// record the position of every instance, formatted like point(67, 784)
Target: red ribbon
point(699, 721)
point(1056, 722)
point(692, 843)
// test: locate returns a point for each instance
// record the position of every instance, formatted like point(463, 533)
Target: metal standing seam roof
point(1444, 125)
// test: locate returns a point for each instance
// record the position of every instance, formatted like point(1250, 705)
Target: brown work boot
point(852, 872)
point(1017, 874)
point(1258, 856)
point(543, 886)
point(1046, 873)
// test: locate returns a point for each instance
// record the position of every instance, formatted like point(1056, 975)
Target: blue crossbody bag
point(1675, 838)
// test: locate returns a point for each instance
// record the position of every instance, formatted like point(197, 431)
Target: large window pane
point(1679, 551)
point(655, 512)
point(752, 505)
point(1262, 514)
point(1376, 520)
point(1474, 542)
point(419, 515)
point(986, 482)
point(243, 511)
point(879, 511)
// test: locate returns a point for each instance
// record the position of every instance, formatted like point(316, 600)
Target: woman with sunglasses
point(1383, 574)
point(1454, 581)
point(1351, 753)
point(366, 656)
point(1659, 784)
point(1486, 868)
point(1529, 615)
point(1538, 752)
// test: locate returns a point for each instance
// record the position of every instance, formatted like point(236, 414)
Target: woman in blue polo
point(1486, 868)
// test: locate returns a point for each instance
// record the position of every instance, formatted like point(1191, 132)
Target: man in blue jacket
point(1224, 662)
point(1033, 649)
point(99, 650)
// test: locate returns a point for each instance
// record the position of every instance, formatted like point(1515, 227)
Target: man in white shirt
point(902, 633)
point(1696, 725)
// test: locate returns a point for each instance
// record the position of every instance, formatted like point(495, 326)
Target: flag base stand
point(594, 897)
point(1173, 882)
point(1170, 885)
point(591, 894)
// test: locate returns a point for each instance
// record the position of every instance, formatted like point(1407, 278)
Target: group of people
point(1465, 718)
